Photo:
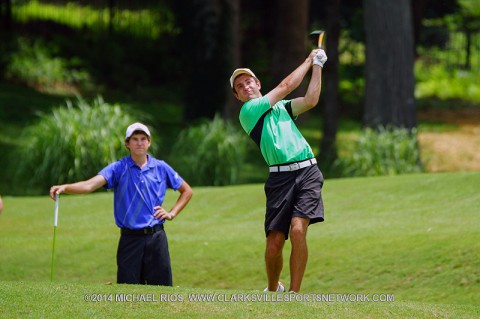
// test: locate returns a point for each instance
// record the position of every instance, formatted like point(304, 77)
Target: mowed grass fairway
point(414, 237)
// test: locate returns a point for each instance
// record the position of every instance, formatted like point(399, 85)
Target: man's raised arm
point(292, 81)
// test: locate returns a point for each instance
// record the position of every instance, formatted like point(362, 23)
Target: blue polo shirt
point(137, 191)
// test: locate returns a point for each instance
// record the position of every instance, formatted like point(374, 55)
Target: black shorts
point(293, 194)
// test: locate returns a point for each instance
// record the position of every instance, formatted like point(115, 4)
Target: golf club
point(317, 36)
point(55, 220)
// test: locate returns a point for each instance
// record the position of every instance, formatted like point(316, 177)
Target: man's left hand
point(320, 58)
point(161, 214)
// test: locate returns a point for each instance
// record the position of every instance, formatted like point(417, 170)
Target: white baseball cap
point(136, 127)
point(237, 72)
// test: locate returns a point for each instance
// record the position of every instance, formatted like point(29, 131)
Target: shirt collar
point(132, 163)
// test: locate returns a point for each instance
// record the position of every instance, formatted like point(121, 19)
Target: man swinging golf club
point(293, 188)
point(139, 182)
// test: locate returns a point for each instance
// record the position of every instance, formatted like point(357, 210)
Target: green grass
point(414, 237)
point(67, 300)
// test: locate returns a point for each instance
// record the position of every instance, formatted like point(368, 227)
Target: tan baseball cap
point(237, 72)
point(136, 127)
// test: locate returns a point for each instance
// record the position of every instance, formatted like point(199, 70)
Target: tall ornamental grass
point(210, 153)
point(73, 143)
point(386, 151)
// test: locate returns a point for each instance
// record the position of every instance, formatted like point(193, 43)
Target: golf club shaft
point(53, 252)
point(55, 220)
point(320, 40)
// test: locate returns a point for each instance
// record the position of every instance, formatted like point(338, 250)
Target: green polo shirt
point(274, 131)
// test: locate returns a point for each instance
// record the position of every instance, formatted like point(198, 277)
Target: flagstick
point(54, 233)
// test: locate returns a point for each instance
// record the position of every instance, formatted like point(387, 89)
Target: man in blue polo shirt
point(139, 182)
point(293, 188)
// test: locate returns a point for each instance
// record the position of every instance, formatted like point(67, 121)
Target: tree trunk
point(291, 31)
point(418, 11)
point(6, 14)
point(111, 15)
point(233, 51)
point(206, 66)
point(389, 77)
point(328, 151)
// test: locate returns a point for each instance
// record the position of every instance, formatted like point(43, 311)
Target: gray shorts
point(293, 194)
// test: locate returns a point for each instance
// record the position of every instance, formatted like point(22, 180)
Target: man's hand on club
point(313, 53)
point(56, 189)
point(320, 58)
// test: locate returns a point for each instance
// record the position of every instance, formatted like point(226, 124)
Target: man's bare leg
point(274, 258)
point(299, 254)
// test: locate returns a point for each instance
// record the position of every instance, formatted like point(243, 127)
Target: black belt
point(142, 231)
